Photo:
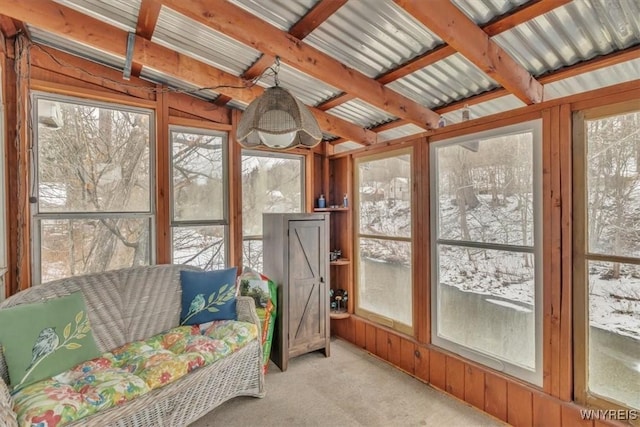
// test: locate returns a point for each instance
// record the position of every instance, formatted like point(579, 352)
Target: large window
point(199, 224)
point(93, 207)
point(607, 271)
point(270, 183)
point(384, 291)
point(486, 275)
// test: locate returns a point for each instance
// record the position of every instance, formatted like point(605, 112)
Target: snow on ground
point(614, 303)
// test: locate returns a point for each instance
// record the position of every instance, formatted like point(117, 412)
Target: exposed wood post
point(23, 148)
point(235, 193)
point(163, 184)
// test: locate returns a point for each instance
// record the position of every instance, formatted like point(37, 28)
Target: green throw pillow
point(43, 339)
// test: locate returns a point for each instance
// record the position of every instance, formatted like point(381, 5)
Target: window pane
point(485, 190)
point(385, 196)
point(70, 247)
point(486, 302)
point(269, 184)
point(252, 254)
point(613, 182)
point(385, 287)
point(198, 176)
point(92, 159)
point(201, 246)
point(614, 333)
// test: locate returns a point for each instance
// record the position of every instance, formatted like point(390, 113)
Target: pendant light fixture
point(278, 120)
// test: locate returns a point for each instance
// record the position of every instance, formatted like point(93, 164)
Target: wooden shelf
point(339, 314)
point(330, 209)
point(341, 261)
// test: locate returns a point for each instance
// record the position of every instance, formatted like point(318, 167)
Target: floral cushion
point(235, 333)
point(127, 372)
point(76, 394)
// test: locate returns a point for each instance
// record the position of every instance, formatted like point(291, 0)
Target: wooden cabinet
point(296, 257)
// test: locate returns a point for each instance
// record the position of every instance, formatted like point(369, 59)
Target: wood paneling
point(407, 356)
point(570, 417)
point(437, 369)
point(370, 342)
point(422, 363)
point(520, 405)
point(361, 337)
point(394, 352)
point(495, 396)
point(474, 386)
point(454, 378)
point(382, 345)
point(546, 411)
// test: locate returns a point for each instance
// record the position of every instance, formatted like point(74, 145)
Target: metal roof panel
point(446, 81)
point(279, 13)
point(363, 114)
point(372, 36)
point(120, 13)
point(192, 38)
point(578, 31)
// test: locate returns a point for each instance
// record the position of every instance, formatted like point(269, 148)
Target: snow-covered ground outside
point(614, 303)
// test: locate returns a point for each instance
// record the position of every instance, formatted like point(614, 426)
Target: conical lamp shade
point(278, 120)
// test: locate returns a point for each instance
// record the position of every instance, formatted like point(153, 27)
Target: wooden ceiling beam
point(59, 19)
point(310, 21)
point(461, 33)
point(252, 31)
point(594, 64)
point(315, 17)
point(146, 25)
point(522, 14)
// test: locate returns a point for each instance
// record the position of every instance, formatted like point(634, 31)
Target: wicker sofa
point(136, 303)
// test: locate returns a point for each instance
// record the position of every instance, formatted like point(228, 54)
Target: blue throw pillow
point(208, 295)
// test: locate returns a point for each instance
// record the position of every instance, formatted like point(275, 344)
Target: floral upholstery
point(127, 372)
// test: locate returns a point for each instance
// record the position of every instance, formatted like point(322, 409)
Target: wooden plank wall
point(500, 396)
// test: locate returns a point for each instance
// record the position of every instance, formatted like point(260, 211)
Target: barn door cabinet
point(296, 257)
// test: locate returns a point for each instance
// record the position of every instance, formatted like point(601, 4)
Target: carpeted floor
point(350, 388)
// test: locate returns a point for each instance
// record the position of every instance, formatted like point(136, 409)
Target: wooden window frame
point(374, 317)
point(36, 217)
point(581, 257)
point(224, 221)
point(535, 377)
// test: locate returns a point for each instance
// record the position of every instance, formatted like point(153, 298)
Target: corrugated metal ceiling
point(192, 38)
point(120, 13)
point(375, 36)
point(372, 36)
point(279, 13)
point(67, 45)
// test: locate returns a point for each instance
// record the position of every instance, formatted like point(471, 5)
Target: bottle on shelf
point(321, 202)
point(345, 201)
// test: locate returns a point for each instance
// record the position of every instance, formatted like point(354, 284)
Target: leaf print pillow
point(208, 295)
point(43, 339)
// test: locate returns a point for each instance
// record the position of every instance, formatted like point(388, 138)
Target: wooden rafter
point(147, 20)
point(522, 14)
point(614, 58)
point(310, 21)
point(461, 33)
point(71, 24)
point(252, 31)
point(314, 17)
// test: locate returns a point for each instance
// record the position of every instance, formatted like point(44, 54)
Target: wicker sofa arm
point(246, 310)
point(7, 416)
